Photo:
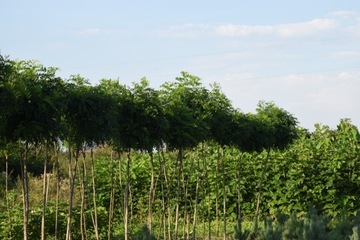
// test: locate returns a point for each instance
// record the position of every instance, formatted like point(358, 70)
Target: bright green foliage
point(320, 169)
point(183, 103)
point(149, 120)
point(356, 233)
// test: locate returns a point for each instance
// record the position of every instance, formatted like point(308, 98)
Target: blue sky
point(303, 55)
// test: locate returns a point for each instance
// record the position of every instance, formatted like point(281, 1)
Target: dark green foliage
point(280, 126)
point(35, 109)
point(89, 114)
point(241, 234)
point(312, 226)
point(321, 168)
point(143, 234)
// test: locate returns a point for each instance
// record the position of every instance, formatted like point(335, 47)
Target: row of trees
point(40, 109)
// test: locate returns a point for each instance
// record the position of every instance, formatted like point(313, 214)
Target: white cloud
point(349, 19)
point(88, 32)
point(243, 30)
point(343, 14)
point(284, 30)
point(350, 77)
point(346, 54)
point(189, 30)
point(313, 98)
point(345, 75)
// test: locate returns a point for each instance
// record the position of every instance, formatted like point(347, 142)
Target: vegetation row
point(117, 162)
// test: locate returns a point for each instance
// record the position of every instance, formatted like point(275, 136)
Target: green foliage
point(321, 168)
point(143, 234)
point(309, 227)
point(183, 102)
point(356, 233)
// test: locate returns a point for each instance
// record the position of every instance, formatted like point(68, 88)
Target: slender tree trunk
point(163, 170)
point(179, 171)
point(112, 197)
point(239, 219)
point(7, 193)
point(185, 183)
point(25, 190)
point(122, 192)
point(208, 191)
point(83, 186)
point(217, 193)
point(197, 192)
point(151, 192)
point(72, 179)
point(131, 205)
point(224, 188)
point(168, 194)
point(186, 220)
point(57, 190)
point(94, 193)
point(44, 193)
point(163, 211)
point(260, 189)
point(126, 201)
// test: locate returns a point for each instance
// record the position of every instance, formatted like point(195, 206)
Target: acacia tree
point(53, 105)
point(7, 99)
point(183, 106)
point(118, 92)
point(151, 128)
point(220, 119)
point(90, 118)
point(275, 129)
point(127, 132)
point(34, 119)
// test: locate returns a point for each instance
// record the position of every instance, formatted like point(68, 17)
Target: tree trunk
point(121, 185)
point(217, 194)
point(72, 178)
point(260, 190)
point(197, 192)
point(83, 186)
point(185, 182)
point(151, 192)
point(239, 219)
point(224, 188)
point(57, 190)
point(94, 194)
point(179, 171)
point(126, 201)
point(44, 193)
point(112, 197)
point(25, 190)
point(207, 191)
point(164, 202)
point(7, 193)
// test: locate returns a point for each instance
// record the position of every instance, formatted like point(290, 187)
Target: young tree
point(151, 129)
point(220, 119)
point(34, 119)
point(275, 129)
point(90, 118)
point(7, 99)
point(183, 102)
